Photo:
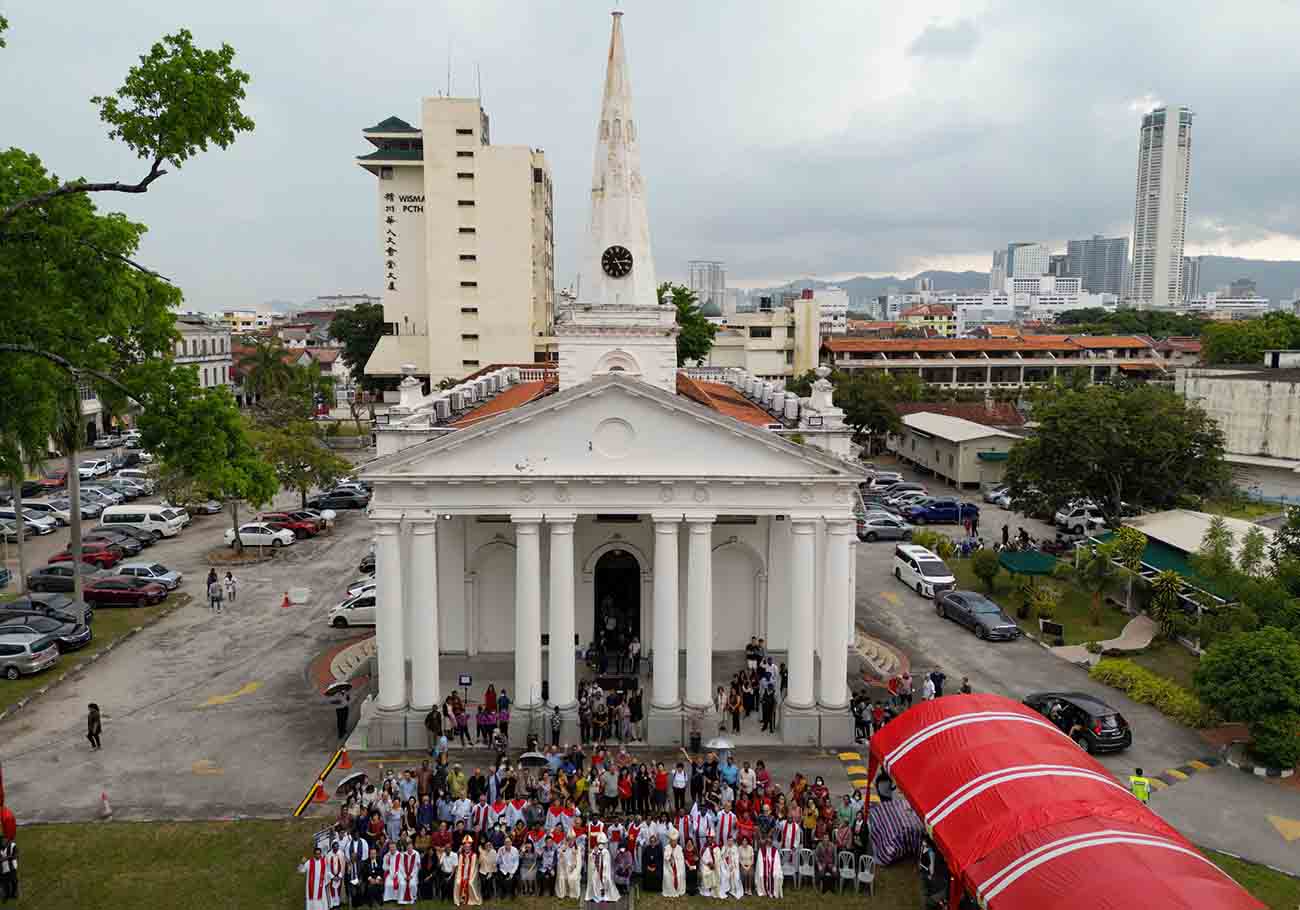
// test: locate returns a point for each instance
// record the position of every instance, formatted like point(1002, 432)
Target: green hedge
point(1141, 685)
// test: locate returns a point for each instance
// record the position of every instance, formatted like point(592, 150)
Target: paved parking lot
point(204, 715)
point(1222, 808)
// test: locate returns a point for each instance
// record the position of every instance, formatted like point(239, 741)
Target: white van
point(154, 519)
point(922, 571)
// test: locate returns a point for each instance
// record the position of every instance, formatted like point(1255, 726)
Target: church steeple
point(618, 268)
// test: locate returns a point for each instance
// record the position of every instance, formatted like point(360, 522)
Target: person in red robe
point(316, 870)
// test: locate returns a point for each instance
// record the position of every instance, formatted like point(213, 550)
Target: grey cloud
point(957, 39)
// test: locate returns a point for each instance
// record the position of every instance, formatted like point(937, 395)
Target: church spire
point(618, 267)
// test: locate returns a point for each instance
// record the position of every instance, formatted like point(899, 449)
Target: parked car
point(883, 528)
point(88, 509)
point(22, 654)
point(154, 521)
point(367, 564)
point(1081, 518)
point(144, 538)
point(260, 535)
point(339, 499)
point(139, 476)
point(47, 509)
point(54, 480)
point(901, 501)
point(1086, 719)
point(922, 570)
point(102, 495)
point(125, 460)
point(355, 611)
point(171, 513)
point(116, 590)
point(67, 633)
point(301, 527)
point(94, 467)
point(26, 489)
point(940, 510)
point(102, 554)
point(146, 457)
point(316, 518)
point(993, 494)
point(364, 486)
point(130, 491)
point(152, 571)
point(977, 613)
point(129, 546)
point(361, 585)
point(60, 606)
point(57, 577)
point(41, 524)
point(5, 577)
point(884, 480)
point(9, 530)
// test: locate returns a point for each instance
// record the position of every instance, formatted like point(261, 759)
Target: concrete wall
point(1258, 417)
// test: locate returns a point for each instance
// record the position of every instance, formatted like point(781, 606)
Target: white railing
point(537, 374)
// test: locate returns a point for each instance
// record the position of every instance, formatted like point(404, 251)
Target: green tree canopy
point(694, 332)
point(1114, 444)
point(300, 459)
point(1246, 340)
point(1252, 675)
point(358, 330)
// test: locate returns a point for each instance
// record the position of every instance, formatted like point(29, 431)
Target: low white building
point(958, 451)
point(205, 345)
point(832, 309)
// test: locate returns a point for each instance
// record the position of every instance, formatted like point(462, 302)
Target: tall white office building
point(1160, 206)
point(708, 279)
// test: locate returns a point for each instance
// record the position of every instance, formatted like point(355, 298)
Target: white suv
point(94, 467)
point(1080, 518)
point(921, 570)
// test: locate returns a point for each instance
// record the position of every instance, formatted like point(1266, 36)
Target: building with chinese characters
point(464, 241)
point(532, 508)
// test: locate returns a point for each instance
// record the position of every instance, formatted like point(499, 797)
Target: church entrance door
point(618, 601)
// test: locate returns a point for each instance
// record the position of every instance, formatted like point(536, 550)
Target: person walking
point(634, 655)
point(975, 524)
point(341, 701)
point(8, 869)
point(214, 596)
point(1006, 536)
point(1140, 785)
point(212, 575)
point(231, 586)
point(94, 726)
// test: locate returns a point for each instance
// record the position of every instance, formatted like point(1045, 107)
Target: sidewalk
point(1136, 636)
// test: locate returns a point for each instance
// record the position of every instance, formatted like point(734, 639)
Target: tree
point(986, 567)
point(694, 332)
point(266, 369)
point(358, 330)
point(1253, 553)
point(1286, 540)
point(1165, 606)
point(301, 461)
point(1128, 546)
point(1094, 573)
point(1213, 560)
point(1245, 341)
point(1252, 677)
point(1117, 444)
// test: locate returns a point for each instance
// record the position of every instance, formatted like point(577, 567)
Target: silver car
point(882, 528)
point(152, 571)
point(22, 653)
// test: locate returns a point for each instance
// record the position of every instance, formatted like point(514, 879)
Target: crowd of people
point(579, 826)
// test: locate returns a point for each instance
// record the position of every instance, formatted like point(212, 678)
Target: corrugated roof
point(511, 398)
point(903, 345)
point(724, 399)
point(992, 413)
point(1095, 342)
point(928, 309)
point(1184, 529)
point(953, 429)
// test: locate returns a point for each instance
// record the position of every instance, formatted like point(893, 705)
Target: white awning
point(395, 350)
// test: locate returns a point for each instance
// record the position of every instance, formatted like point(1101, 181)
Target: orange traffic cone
point(320, 796)
point(105, 810)
point(345, 763)
point(284, 604)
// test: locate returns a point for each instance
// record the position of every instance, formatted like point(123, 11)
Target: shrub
point(928, 539)
point(1274, 741)
point(986, 567)
point(1093, 647)
point(1143, 686)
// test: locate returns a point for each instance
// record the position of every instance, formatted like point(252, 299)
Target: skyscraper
point(1100, 262)
point(1191, 277)
point(708, 279)
point(1160, 206)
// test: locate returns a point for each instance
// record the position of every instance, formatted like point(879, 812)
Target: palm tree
point(1095, 573)
point(1165, 608)
point(265, 369)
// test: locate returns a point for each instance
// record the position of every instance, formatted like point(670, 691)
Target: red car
point(311, 517)
point(103, 555)
point(123, 591)
point(300, 527)
point(55, 480)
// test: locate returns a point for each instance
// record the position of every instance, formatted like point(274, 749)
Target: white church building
point(529, 509)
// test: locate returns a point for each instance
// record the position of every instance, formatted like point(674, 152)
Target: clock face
point(616, 261)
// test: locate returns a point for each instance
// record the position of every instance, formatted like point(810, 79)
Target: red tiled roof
point(1184, 343)
point(928, 309)
point(323, 355)
point(508, 400)
point(1021, 343)
point(724, 399)
point(1001, 331)
point(991, 414)
point(1097, 342)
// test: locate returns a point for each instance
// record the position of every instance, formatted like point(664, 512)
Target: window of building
point(789, 357)
point(468, 257)
point(469, 337)
point(464, 132)
point(760, 331)
point(468, 230)
point(464, 154)
point(537, 175)
point(465, 175)
point(385, 173)
point(469, 284)
point(465, 202)
point(469, 310)
point(469, 363)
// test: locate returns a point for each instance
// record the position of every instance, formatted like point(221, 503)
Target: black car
point(144, 538)
point(125, 460)
point(339, 499)
point(977, 613)
point(367, 566)
point(57, 605)
point(69, 634)
point(57, 577)
point(124, 542)
point(30, 490)
point(128, 492)
point(1086, 719)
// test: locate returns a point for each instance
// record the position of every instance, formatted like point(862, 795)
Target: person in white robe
point(768, 877)
point(710, 857)
point(337, 864)
point(465, 889)
point(600, 873)
point(316, 871)
point(568, 872)
point(392, 873)
point(674, 867)
point(729, 884)
point(409, 860)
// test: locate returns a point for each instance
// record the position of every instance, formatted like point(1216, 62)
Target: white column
point(422, 602)
point(699, 613)
point(803, 594)
point(528, 611)
point(835, 645)
point(667, 582)
point(563, 691)
point(388, 615)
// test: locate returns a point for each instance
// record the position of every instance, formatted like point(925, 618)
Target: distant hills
point(1277, 280)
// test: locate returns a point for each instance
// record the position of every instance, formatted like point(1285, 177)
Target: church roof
point(508, 400)
point(722, 398)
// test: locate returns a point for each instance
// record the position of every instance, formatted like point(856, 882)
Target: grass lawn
point(109, 624)
point(253, 865)
point(1170, 660)
point(1241, 508)
point(1072, 611)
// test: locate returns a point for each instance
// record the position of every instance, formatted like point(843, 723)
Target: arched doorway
point(617, 581)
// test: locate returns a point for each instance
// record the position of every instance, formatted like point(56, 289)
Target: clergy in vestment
point(568, 871)
point(392, 873)
point(710, 875)
point(674, 875)
point(729, 871)
point(316, 871)
point(465, 890)
point(768, 877)
point(600, 873)
point(409, 860)
point(337, 864)
point(652, 865)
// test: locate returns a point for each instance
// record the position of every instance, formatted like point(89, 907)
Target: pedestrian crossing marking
point(855, 769)
point(1199, 765)
point(1158, 784)
point(1172, 772)
point(1289, 828)
point(246, 689)
point(889, 597)
point(205, 767)
point(849, 756)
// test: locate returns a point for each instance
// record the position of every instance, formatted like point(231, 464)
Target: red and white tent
point(1027, 820)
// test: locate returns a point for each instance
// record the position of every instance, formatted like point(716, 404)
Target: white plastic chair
point(789, 869)
point(847, 866)
point(807, 868)
point(867, 872)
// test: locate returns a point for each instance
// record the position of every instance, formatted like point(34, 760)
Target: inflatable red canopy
point(1025, 819)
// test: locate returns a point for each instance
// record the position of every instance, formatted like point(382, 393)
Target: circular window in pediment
point(613, 437)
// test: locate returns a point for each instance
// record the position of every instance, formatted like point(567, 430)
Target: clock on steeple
point(616, 261)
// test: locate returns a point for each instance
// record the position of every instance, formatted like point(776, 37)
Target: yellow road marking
point(1199, 765)
point(850, 756)
point(205, 767)
point(1176, 773)
point(889, 597)
point(1289, 828)
point(855, 769)
point(246, 689)
point(1158, 784)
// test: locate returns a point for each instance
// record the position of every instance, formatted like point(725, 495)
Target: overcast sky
point(823, 137)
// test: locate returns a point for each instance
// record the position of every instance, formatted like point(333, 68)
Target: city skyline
point(857, 176)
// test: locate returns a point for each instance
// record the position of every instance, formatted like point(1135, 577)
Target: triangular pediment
point(611, 426)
